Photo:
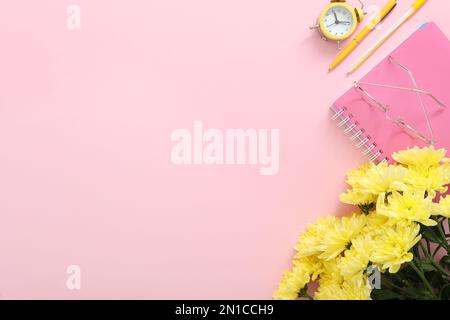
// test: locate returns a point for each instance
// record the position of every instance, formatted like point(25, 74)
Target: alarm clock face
point(338, 22)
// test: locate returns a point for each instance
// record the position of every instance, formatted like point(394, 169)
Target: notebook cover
point(426, 53)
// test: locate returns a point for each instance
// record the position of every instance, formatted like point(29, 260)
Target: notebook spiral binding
point(357, 135)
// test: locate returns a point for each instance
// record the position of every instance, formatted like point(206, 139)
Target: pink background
point(85, 124)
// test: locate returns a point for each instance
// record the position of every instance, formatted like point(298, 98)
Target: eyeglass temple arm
point(414, 82)
point(368, 95)
point(400, 122)
point(420, 91)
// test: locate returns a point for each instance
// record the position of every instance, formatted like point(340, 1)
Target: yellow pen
point(363, 34)
point(415, 7)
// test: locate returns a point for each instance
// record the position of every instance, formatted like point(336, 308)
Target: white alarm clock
point(338, 21)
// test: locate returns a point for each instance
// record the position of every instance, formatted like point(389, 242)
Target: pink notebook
point(426, 54)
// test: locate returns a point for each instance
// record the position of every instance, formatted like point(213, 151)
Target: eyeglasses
point(430, 140)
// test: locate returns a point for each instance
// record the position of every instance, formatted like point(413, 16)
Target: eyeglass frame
point(386, 110)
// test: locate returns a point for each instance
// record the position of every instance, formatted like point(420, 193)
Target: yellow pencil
point(415, 7)
point(363, 34)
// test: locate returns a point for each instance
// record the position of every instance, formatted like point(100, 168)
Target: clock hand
point(331, 24)
point(336, 18)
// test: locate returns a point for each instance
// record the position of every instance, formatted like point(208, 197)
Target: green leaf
point(385, 294)
point(431, 234)
point(445, 292)
point(445, 262)
point(427, 266)
point(409, 275)
point(435, 278)
point(418, 293)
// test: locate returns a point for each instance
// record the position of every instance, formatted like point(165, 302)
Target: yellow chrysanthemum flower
point(292, 282)
point(383, 178)
point(356, 259)
point(331, 272)
point(432, 179)
point(348, 290)
point(375, 222)
point(445, 170)
point(312, 264)
point(310, 242)
point(303, 271)
point(329, 237)
point(339, 236)
point(357, 198)
point(444, 206)
point(354, 176)
point(423, 158)
point(413, 206)
point(370, 180)
point(391, 248)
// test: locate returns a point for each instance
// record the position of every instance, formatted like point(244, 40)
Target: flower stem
point(436, 250)
point(428, 245)
point(444, 238)
point(436, 265)
point(422, 277)
point(391, 285)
